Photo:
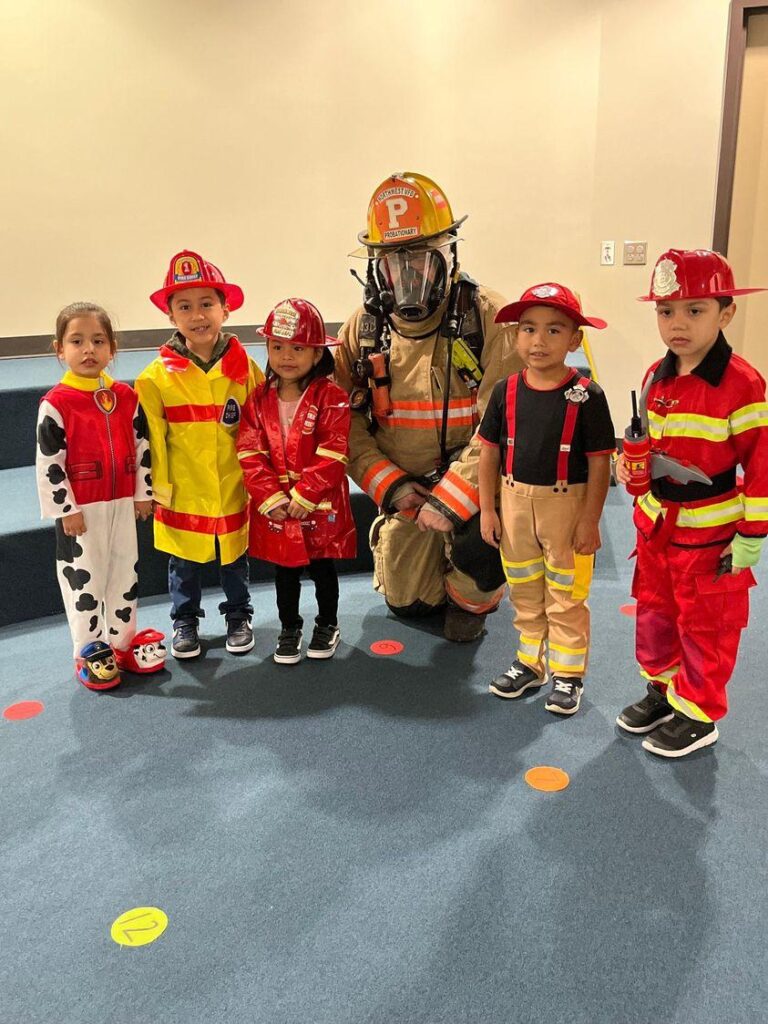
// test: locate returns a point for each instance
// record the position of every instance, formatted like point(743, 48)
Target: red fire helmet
point(549, 294)
point(297, 322)
point(190, 270)
point(692, 274)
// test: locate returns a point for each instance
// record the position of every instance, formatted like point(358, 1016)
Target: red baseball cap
point(692, 274)
point(190, 270)
point(549, 294)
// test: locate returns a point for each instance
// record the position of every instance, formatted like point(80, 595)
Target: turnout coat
point(311, 469)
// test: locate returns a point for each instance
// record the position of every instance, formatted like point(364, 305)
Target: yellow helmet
point(405, 209)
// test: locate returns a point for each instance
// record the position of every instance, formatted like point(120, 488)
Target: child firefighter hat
point(297, 322)
point(189, 270)
point(549, 294)
point(692, 274)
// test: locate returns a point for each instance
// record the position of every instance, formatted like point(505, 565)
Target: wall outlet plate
point(635, 253)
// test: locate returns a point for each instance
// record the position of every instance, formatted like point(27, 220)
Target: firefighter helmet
point(692, 274)
point(407, 208)
point(189, 270)
point(297, 322)
point(549, 294)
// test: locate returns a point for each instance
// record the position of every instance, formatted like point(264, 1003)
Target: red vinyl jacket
point(311, 469)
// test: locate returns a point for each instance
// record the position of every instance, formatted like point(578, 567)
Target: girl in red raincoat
point(293, 448)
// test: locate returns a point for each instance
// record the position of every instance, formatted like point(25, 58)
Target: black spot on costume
point(77, 578)
point(55, 474)
point(123, 613)
point(50, 437)
point(86, 603)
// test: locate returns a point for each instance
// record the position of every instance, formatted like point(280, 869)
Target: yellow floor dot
point(139, 926)
point(547, 779)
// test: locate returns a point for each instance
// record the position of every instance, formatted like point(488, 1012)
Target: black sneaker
point(288, 650)
point(565, 697)
point(647, 714)
point(239, 636)
point(516, 680)
point(186, 642)
point(325, 640)
point(681, 736)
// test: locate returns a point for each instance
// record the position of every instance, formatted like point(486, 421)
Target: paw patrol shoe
point(96, 667)
point(146, 653)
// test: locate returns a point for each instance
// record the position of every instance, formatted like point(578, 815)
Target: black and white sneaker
point(681, 736)
point(186, 642)
point(239, 636)
point(516, 680)
point(288, 650)
point(647, 714)
point(325, 640)
point(565, 696)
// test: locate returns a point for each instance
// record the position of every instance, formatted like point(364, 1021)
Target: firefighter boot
point(461, 626)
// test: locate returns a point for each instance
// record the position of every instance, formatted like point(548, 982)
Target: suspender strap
point(569, 429)
point(511, 409)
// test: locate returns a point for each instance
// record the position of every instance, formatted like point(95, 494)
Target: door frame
point(740, 13)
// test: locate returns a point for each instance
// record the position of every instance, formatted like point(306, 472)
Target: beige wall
point(255, 132)
point(748, 242)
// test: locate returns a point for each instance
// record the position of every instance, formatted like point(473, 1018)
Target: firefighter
point(420, 359)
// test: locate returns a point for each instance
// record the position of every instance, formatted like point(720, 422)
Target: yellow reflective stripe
point(515, 580)
point(655, 424)
point(529, 645)
point(560, 666)
point(523, 572)
point(663, 677)
point(748, 417)
point(650, 505)
point(567, 650)
point(248, 454)
point(330, 454)
point(302, 501)
point(717, 514)
point(521, 565)
point(584, 566)
point(689, 424)
point(272, 500)
point(755, 509)
point(685, 707)
point(528, 659)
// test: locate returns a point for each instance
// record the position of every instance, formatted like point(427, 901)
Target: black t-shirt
point(539, 418)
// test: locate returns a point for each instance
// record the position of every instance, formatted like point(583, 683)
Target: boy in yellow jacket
point(192, 394)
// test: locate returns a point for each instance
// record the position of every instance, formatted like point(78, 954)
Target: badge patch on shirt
point(577, 394)
point(310, 420)
point(230, 414)
point(106, 399)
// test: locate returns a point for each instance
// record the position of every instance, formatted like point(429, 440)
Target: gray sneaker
point(565, 696)
point(516, 680)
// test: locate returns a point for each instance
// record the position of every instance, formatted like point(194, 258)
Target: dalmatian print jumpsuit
point(93, 457)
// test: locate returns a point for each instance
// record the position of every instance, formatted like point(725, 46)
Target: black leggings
point(322, 571)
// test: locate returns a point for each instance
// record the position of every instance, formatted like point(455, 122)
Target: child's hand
point(297, 511)
point(490, 528)
point(142, 509)
point(74, 525)
point(586, 537)
point(278, 514)
point(413, 499)
point(620, 469)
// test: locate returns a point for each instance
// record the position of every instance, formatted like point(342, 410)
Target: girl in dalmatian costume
point(93, 478)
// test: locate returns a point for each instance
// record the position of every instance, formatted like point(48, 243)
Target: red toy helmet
point(692, 274)
point(188, 270)
point(297, 322)
point(549, 294)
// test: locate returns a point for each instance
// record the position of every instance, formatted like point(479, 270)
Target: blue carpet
point(353, 841)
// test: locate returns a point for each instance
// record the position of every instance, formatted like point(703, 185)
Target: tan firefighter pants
point(548, 583)
point(413, 572)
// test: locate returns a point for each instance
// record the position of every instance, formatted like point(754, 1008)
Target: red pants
point(688, 624)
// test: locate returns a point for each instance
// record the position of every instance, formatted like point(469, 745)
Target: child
point(553, 430)
point(192, 394)
point(696, 542)
point(293, 447)
point(93, 479)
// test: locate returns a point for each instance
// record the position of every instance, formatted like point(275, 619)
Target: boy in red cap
point(192, 394)
point(696, 541)
point(547, 432)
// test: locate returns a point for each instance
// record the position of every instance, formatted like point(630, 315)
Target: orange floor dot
point(386, 647)
point(547, 779)
point(24, 709)
point(629, 609)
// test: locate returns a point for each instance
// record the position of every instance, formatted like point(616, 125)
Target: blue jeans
point(185, 587)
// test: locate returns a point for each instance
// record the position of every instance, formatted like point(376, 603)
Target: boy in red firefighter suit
point(548, 432)
point(293, 448)
point(696, 541)
point(192, 394)
point(93, 478)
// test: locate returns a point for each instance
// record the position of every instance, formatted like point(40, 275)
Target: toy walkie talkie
point(637, 453)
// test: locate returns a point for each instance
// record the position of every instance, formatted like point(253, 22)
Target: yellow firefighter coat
point(194, 419)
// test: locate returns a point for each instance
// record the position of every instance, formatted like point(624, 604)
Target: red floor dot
point(629, 609)
point(24, 709)
point(386, 647)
